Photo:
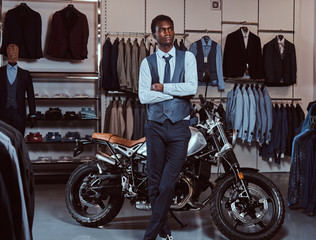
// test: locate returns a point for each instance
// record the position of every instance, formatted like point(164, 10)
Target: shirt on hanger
point(206, 47)
point(11, 72)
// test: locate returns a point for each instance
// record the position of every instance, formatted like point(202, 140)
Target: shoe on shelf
point(167, 238)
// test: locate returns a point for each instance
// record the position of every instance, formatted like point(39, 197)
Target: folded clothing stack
point(60, 95)
point(44, 159)
point(87, 113)
point(72, 136)
point(53, 137)
point(53, 114)
point(34, 137)
point(71, 115)
point(65, 159)
point(81, 95)
point(40, 95)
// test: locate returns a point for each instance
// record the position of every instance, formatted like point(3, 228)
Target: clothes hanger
point(243, 27)
point(280, 37)
point(70, 5)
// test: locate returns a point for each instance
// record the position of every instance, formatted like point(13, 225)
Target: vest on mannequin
point(13, 54)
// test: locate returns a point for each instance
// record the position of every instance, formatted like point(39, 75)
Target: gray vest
point(177, 108)
point(11, 98)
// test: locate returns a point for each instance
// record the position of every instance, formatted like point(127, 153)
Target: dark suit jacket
point(69, 35)
point(24, 84)
point(236, 56)
point(279, 72)
point(23, 27)
point(26, 170)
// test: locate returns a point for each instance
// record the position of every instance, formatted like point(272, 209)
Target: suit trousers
point(167, 145)
point(12, 117)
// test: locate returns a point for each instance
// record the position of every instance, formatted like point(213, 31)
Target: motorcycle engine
point(183, 193)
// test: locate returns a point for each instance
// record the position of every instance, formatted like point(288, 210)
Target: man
point(167, 79)
point(14, 83)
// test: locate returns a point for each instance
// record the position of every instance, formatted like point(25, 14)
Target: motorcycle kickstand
point(177, 219)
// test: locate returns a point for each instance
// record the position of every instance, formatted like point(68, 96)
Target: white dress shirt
point(189, 87)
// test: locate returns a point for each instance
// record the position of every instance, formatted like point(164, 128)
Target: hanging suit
point(128, 65)
point(252, 115)
point(69, 35)
point(108, 81)
point(236, 56)
point(23, 27)
point(279, 70)
point(135, 66)
point(209, 58)
point(121, 71)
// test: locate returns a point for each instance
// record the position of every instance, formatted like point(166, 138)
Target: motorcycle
point(244, 204)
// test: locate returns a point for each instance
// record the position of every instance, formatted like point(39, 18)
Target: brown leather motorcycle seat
point(109, 137)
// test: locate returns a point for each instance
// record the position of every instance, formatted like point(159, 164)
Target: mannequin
point(14, 83)
point(13, 54)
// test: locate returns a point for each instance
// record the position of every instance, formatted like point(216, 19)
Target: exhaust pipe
point(105, 158)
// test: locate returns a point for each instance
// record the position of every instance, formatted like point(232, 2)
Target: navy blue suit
point(167, 136)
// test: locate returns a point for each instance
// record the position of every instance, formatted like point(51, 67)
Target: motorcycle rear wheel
point(239, 219)
point(87, 205)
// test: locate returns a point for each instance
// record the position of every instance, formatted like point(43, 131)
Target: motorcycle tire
point(84, 208)
point(240, 219)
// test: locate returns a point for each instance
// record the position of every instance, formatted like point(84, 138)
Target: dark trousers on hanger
point(12, 117)
point(167, 145)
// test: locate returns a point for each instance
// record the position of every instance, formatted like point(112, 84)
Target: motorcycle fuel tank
point(197, 142)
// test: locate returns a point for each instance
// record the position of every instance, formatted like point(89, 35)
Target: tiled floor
point(52, 221)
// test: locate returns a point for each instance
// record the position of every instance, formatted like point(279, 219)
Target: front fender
point(241, 169)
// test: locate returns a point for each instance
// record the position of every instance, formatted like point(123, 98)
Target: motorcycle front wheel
point(87, 199)
point(239, 218)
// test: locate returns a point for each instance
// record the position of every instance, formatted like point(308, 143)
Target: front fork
point(226, 152)
point(231, 164)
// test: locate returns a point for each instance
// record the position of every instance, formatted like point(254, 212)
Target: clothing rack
point(118, 93)
point(275, 31)
point(286, 99)
point(243, 23)
point(243, 80)
point(202, 31)
point(184, 35)
point(127, 34)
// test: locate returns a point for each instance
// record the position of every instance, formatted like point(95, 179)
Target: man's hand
point(157, 87)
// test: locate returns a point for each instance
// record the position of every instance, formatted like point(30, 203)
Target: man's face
point(13, 53)
point(164, 33)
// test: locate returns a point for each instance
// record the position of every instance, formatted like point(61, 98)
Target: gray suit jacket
point(128, 64)
point(135, 66)
point(263, 116)
point(268, 105)
point(121, 72)
point(252, 114)
point(238, 119)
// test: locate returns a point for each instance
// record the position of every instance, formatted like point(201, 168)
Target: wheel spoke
point(85, 208)
point(101, 204)
point(261, 224)
point(238, 222)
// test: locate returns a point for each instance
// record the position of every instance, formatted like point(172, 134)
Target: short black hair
point(157, 19)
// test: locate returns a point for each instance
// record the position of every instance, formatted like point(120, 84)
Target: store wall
point(197, 14)
point(136, 15)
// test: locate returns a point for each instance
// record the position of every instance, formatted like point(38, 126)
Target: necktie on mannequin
point(166, 78)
